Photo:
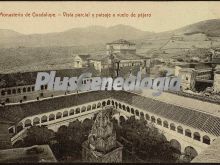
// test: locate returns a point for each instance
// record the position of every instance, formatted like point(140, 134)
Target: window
point(137, 113)
point(180, 129)
point(165, 124)
point(89, 107)
point(65, 113)
point(83, 109)
point(14, 91)
point(36, 121)
point(24, 90)
point(3, 93)
point(77, 110)
point(188, 133)
point(71, 112)
point(147, 117)
point(159, 122)
point(58, 115)
point(196, 136)
point(206, 139)
point(8, 91)
point(172, 127)
point(43, 119)
point(153, 119)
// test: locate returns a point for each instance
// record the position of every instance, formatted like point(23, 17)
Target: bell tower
point(101, 145)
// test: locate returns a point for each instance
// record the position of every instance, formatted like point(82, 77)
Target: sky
point(165, 16)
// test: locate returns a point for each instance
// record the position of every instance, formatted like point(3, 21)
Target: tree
point(37, 135)
point(70, 139)
point(147, 142)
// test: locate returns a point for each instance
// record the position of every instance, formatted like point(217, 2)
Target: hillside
point(73, 37)
point(19, 52)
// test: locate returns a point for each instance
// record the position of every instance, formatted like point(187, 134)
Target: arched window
point(24, 90)
point(71, 112)
point(119, 105)
point(196, 136)
point(44, 119)
point(36, 121)
point(2, 92)
point(19, 90)
point(188, 133)
point(113, 103)
point(98, 105)
point(116, 104)
point(7, 100)
point(8, 91)
point(153, 119)
point(51, 117)
point(14, 91)
point(89, 107)
point(19, 127)
point(65, 113)
point(58, 115)
point(83, 109)
point(206, 139)
point(172, 127)
point(77, 110)
point(142, 115)
point(180, 129)
point(165, 124)
point(128, 109)
point(108, 102)
point(27, 123)
point(11, 130)
point(123, 107)
point(132, 110)
point(94, 106)
point(136, 112)
point(147, 116)
point(159, 121)
point(103, 103)
point(29, 89)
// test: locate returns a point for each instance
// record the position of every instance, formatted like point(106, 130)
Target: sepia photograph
point(110, 82)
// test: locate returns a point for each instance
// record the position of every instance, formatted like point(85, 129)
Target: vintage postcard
point(110, 82)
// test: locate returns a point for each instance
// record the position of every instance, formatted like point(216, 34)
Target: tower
point(101, 145)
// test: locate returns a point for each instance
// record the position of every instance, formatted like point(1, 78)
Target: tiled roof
point(20, 155)
point(210, 155)
point(128, 56)
point(17, 112)
point(122, 41)
point(84, 57)
point(29, 78)
point(182, 115)
point(192, 118)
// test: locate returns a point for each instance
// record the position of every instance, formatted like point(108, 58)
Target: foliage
point(70, 138)
point(148, 143)
point(37, 135)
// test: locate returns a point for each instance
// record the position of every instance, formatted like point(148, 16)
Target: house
point(80, 61)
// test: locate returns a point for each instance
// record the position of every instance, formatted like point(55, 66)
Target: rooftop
point(121, 41)
point(128, 56)
point(29, 78)
point(194, 113)
point(21, 155)
point(210, 155)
